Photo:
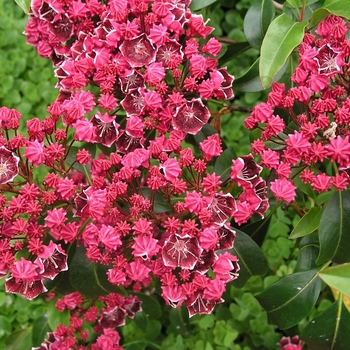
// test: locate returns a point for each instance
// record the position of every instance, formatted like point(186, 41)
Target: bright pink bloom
point(171, 169)
point(55, 218)
point(109, 237)
point(211, 146)
point(283, 189)
point(145, 246)
point(34, 152)
point(208, 238)
point(84, 131)
point(226, 267)
point(339, 150)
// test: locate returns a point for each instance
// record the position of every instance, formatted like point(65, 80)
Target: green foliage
point(27, 81)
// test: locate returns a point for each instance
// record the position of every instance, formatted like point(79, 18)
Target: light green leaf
point(334, 231)
point(338, 277)
point(261, 13)
point(24, 5)
point(307, 224)
point(294, 3)
point(19, 339)
point(338, 7)
point(330, 330)
point(55, 317)
point(291, 299)
point(282, 37)
point(199, 4)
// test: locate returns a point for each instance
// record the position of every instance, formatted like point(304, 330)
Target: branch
point(278, 6)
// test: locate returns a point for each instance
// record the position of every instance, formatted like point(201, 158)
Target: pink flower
point(191, 116)
point(138, 51)
point(55, 218)
point(283, 189)
point(211, 146)
point(288, 343)
point(109, 237)
point(181, 252)
point(8, 165)
point(34, 152)
point(171, 169)
point(145, 246)
point(226, 267)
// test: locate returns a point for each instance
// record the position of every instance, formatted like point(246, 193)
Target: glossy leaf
point(282, 37)
point(18, 340)
point(338, 277)
point(159, 203)
point(307, 224)
point(252, 261)
point(338, 7)
point(250, 80)
point(232, 51)
point(261, 13)
point(294, 3)
point(308, 253)
point(199, 4)
point(40, 328)
point(223, 163)
point(24, 5)
point(150, 306)
point(334, 231)
point(330, 330)
point(55, 317)
point(89, 278)
point(291, 299)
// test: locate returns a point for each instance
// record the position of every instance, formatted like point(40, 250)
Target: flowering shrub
point(145, 205)
point(125, 190)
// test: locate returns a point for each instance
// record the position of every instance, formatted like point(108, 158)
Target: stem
point(278, 6)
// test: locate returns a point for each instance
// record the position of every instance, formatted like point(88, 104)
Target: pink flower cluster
point(305, 130)
point(105, 319)
point(116, 173)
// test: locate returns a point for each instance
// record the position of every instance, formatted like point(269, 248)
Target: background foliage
point(242, 322)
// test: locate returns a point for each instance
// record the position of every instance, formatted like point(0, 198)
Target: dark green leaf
point(250, 80)
point(232, 51)
point(180, 321)
point(84, 275)
point(199, 4)
point(24, 5)
point(153, 329)
point(60, 285)
point(40, 328)
point(150, 306)
point(330, 330)
point(308, 223)
point(261, 13)
point(252, 261)
point(257, 230)
point(206, 131)
point(291, 299)
point(223, 164)
point(338, 277)
point(160, 205)
point(307, 258)
point(334, 231)
point(281, 39)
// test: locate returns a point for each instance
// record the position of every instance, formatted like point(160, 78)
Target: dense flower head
point(120, 179)
point(312, 127)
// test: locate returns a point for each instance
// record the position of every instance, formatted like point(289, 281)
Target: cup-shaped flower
point(191, 116)
point(8, 165)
